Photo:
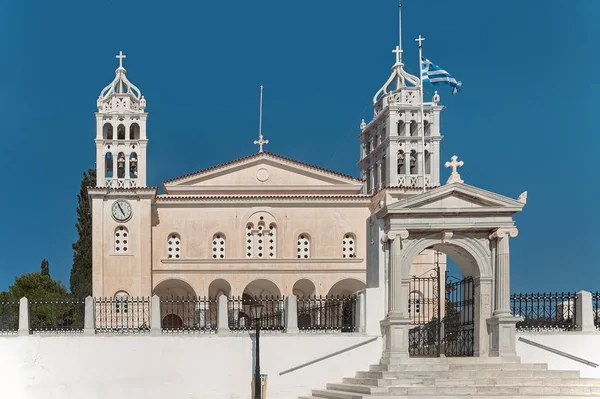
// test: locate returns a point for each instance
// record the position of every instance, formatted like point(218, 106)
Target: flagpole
point(420, 40)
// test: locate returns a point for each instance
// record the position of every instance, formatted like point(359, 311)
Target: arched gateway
point(471, 226)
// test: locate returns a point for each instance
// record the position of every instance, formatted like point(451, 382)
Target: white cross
point(260, 143)
point(454, 176)
point(398, 51)
point(120, 57)
point(420, 39)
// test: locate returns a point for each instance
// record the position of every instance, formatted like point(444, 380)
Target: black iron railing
point(56, 315)
point(240, 315)
point(596, 307)
point(188, 314)
point(9, 316)
point(328, 313)
point(545, 311)
point(122, 315)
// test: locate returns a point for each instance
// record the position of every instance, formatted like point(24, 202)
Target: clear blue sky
point(524, 120)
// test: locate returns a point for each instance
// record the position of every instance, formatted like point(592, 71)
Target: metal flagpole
point(420, 40)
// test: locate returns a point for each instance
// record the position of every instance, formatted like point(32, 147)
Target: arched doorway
point(346, 287)
point(440, 307)
point(179, 306)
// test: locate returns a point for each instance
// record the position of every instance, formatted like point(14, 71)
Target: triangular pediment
point(263, 173)
point(454, 198)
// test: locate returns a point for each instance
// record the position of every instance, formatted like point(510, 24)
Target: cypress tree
point(81, 271)
point(45, 268)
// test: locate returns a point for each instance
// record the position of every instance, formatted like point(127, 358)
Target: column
point(155, 316)
point(502, 324)
point(502, 297)
point(396, 324)
point(395, 300)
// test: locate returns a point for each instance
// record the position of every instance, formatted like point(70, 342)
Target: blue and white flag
point(431, 73)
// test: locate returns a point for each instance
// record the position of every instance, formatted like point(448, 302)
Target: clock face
point(121, 210)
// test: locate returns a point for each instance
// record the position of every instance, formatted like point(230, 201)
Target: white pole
point(260, 114)
point(420, 40)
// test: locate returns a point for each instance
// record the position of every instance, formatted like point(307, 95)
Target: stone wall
point(178, 366)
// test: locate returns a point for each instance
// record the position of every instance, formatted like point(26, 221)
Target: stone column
point(502, 324)
point(155, 316)
point(395, 325)
point(23, 316)
point(222, 315)
point(502, 297)
point(584, 312)
point(291, 315)
point(88, 322)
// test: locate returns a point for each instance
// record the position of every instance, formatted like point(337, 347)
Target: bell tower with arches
point(392, 152)
point(121, 133)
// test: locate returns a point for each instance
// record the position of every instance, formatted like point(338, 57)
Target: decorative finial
point(363, 125)
point(523, 197)
point(260, 140)
point(454, 176)
point(436, 98)
point(120, 57)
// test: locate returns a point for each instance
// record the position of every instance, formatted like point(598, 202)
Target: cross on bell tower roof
point(120, 56)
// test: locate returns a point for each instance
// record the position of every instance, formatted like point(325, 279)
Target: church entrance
point(442, 312)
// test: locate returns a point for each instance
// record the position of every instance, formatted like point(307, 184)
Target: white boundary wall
point(177, 366)
point(580, 344)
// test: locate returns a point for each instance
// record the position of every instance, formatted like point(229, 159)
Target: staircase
point(453, 378)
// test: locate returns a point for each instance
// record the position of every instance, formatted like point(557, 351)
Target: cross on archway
point(260, 143)
point(120, 57)
point(454, 176)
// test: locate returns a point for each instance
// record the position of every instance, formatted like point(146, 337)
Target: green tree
point(45, 267)
point(40, 289)
point(81, 271)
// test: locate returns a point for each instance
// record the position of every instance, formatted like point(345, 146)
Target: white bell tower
point(392, 147)
point(121, 134)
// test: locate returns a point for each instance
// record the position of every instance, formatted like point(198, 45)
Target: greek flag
point(431, 73)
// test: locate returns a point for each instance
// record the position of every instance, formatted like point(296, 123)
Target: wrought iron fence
point(9, 316)
point(596, 307)
point(240, 316)
point(56, 315)
point(122, 315)
point(545, 311)
point(188, 314)
point(328, 313)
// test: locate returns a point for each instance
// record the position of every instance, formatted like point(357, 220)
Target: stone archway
point(472, 254)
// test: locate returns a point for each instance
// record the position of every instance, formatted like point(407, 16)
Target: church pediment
point(454, 198)
point(263, 173)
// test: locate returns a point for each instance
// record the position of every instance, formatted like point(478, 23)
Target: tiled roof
point(258, 155)
point(166, 197)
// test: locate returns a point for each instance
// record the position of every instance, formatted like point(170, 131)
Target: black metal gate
point(434, 331)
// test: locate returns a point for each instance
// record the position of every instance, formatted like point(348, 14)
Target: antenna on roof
point(260, 140)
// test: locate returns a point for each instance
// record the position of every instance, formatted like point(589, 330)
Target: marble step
point(457, 366)
point(469, 374)
point(452, 381)
point(462, 397)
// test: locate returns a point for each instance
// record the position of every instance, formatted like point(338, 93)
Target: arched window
point(133, 161)
point(349, 246)
point(174, 246)
point(134, 131)
point(413, 162)
point(401, 127)
point(249, 240)
point(272, 240)
point(427, 162)
point(303, 246)
point(121, 132)
point(121, 166)
point(383, 171)
point(218, 246)
point(121, 240)
point(108, 165)
point(107, 131)
point(427, 128)
point(401, 164)
point(414, 303)
point(121, 302)
point(414, 129)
